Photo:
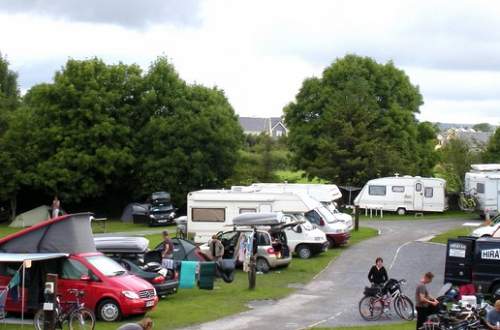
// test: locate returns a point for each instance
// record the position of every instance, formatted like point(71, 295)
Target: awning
point(21, 257)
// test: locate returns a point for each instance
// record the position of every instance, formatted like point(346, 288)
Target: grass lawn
point(389, 326)
point(459, 231)
point(427, 216)
point(190, 306)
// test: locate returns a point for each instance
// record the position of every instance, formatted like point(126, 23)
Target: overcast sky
point(259, 52)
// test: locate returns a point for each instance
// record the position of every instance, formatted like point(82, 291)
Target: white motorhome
point(326, 194)
point(402, 194)
point(211, 211)
point(483, 183)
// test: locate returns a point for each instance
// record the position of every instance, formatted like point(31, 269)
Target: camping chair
point(3, 301)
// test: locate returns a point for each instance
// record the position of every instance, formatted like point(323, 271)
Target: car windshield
point(106, 266)
point(327, 215)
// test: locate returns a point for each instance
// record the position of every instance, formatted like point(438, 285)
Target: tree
point(9, 102)
point(492, 152)
point(357, 121)
point(483, 127)
point(82, 128)
point(455, 160)
point(190, 140)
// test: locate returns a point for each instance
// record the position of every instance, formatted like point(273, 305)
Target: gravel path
point(331, 299)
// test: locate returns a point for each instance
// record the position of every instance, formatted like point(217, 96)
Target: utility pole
point(356, 218)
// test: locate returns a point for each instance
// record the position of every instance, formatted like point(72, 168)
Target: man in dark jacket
point(378, 274)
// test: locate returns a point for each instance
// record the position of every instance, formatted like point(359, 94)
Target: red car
point(108, 288)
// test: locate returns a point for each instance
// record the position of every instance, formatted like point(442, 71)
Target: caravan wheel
point(401, 211)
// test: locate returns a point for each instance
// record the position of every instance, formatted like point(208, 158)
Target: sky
point(259, 52)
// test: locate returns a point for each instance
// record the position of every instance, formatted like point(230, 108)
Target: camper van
point(483, 183)
point(212, 211)
point(326, 194)
point(403, 194)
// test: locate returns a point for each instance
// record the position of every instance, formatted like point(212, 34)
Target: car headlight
point(339, 231)
point(152, 216)
point(172, 215)
point(130, 294)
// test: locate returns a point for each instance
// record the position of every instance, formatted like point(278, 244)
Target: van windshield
point(106, 266)
point(326, 214)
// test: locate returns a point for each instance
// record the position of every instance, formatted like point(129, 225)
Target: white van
point(326, 194)
point(211, 211)
point(483, 183)
point(402, 194)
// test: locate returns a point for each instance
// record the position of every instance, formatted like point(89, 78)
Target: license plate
point(150, 303)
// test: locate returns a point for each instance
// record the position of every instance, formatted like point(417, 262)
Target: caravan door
point(418, 196)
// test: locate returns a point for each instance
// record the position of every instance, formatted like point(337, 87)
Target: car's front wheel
point(109, 310)
point(304, 252)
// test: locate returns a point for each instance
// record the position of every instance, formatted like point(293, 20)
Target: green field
point(387, 326)
point(459, 231)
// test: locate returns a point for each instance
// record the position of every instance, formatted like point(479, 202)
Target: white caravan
point(483, 183)
point(326, 194)
point(211, 211)
point(402, 194)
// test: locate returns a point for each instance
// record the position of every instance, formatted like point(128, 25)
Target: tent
point(66, 234)
point(31, 217)
point(133, 208)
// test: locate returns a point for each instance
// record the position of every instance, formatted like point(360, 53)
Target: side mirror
point(85, 278)
point(298, 229)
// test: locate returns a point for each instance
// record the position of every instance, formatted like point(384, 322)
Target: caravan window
point(418, 187)
point(248, 211)
point(480, 188)
point(398, 189)
point(208, 215)
point(429, 192)
point(377, 190)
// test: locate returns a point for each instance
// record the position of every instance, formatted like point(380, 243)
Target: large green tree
point(190, 135)
point(492, 152)
point(357, 121)
point(12, 173)
point(82, 128)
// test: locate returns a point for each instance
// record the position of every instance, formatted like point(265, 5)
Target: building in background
point(273, 126)
point(476, 140)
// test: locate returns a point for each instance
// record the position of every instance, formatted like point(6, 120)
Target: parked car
point(132, 254)
point(305, 239)
point(489, 230)
point(108, 288)
point(336, 231)
point(272, 244)
point(159, 212)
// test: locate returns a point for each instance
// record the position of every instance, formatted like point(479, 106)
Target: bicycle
point(377, 301)
point(75, 314)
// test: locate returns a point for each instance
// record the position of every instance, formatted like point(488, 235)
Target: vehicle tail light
point(158, 279)
point(270, 251)
point(321, 222)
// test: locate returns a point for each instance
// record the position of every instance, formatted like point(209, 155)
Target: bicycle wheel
point(82, 319)
point(404, 308)
point(39, 319)
point(371, 308)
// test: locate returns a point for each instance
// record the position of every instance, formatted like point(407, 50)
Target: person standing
point(56, 206)
point(425, 303)
point(377, 274)
point(216, 249)
point(493, 317)
point(167, 253)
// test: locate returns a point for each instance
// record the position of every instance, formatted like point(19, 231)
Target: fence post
point(356, 218)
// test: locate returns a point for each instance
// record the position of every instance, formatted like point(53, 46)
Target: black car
point(132, 253)
point(159, 212)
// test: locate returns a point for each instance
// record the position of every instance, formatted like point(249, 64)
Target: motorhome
point(212, 211)
point(483, 183)
point(326, 194)
point(403, 194)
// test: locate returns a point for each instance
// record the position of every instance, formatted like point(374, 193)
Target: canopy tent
point(352, 192)
point(64, 234)
point(31, 217)
point(134, 208)
point(26, 259)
